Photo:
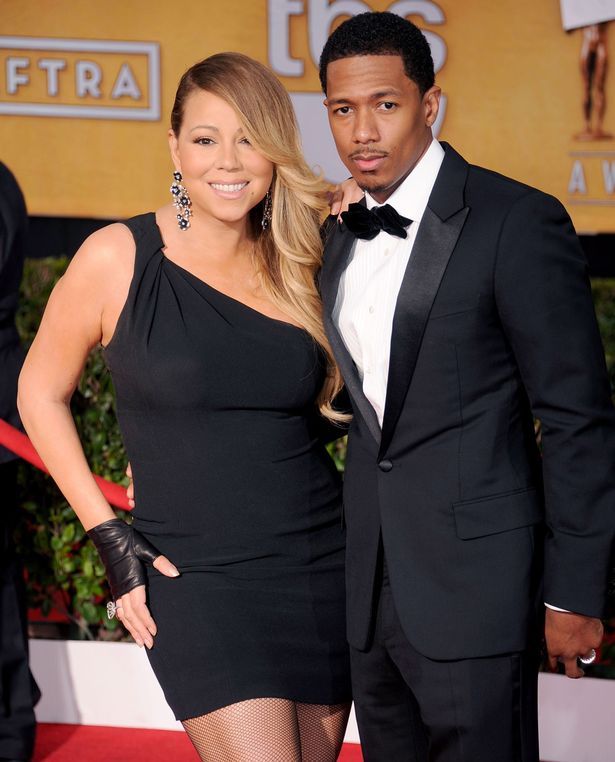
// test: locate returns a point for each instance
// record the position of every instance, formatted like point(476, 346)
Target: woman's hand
point(344, 194)
point(132, 612)
point(124, 552)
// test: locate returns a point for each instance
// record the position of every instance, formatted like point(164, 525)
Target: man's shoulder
point(479, 178)
point(496, 197)
point(329, 230)
point(497, 191)
point(496, 182)
point(327, 227)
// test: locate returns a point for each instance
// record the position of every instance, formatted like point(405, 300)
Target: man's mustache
point(367, 153)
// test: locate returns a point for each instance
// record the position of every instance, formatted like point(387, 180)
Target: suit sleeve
point(544, 301)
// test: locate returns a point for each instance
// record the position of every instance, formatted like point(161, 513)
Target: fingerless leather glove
point(124, 553)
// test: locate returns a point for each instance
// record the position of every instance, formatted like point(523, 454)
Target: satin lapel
point(337, 251)
point(432, 250)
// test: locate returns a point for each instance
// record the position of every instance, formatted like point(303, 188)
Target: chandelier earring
point(267, 210)
point(181, 201)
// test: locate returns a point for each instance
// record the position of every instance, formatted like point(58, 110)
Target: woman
point(211, 325)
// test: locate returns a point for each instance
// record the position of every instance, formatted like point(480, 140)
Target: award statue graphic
point(592, 17)
point(594, 67)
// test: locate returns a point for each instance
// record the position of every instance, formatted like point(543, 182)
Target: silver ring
point(588, 659)
point(111, 609)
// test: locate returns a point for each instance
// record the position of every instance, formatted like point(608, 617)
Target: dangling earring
point(181, 201)
point(267, 209)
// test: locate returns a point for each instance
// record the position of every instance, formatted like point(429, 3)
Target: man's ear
point(431, 104)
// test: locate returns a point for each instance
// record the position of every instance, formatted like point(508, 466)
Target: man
point(467, 316)
point(18, 691)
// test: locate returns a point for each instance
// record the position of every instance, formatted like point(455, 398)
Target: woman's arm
point(71, 326)
point(81, 312)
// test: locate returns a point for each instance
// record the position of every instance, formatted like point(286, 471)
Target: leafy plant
point(337, 450)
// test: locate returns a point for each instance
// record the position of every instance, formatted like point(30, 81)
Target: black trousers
point(18, 690)
point(413, 709)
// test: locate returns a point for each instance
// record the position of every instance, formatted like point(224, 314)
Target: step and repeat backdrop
point(86, 89)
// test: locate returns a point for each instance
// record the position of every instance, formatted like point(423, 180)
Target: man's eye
point(388, 105)
point(343, 110)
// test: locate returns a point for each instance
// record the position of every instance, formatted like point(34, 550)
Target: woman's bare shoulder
point(109, 245)
point(105, 257)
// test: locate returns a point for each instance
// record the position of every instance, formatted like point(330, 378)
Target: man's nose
point(365, 127)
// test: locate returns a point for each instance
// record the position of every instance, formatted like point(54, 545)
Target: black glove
point(124, 552)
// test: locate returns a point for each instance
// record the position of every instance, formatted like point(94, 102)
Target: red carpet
point(86, 743)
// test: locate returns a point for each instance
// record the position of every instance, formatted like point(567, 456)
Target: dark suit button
point(385, 465)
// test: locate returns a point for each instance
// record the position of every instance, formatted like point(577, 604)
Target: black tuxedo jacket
point(13, 223)
point(494, 323)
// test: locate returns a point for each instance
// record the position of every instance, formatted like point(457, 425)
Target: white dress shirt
point(370, 284)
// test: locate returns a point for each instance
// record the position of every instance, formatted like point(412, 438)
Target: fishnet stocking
point(321, 730)
point(269, 730)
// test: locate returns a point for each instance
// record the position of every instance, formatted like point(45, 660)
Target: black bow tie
point(367, 223)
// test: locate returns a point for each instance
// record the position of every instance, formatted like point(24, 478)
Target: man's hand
point(569, 636)
point(130, 489)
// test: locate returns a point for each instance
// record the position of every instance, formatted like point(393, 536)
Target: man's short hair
point(381, 34)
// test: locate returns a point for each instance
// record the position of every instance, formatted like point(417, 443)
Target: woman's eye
point(245, 141)
point(204, 141)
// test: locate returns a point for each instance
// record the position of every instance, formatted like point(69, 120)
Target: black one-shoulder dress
point(216, 403)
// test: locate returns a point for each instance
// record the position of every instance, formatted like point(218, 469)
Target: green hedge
point(63, 570)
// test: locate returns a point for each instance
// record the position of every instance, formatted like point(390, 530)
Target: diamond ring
point(590, 659)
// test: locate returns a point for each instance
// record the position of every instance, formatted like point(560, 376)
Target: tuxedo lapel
point(439, 230)
point(337, 251)
point(338, 246)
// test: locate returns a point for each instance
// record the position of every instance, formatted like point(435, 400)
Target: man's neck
point(381, 196)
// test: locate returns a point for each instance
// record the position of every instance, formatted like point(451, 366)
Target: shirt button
point(371, 309)
point(387, 252)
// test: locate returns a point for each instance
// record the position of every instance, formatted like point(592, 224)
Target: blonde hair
point(289, 252)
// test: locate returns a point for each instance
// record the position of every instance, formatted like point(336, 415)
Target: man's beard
point(371, 189)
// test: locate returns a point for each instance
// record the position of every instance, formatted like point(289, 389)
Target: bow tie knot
point(367, 223)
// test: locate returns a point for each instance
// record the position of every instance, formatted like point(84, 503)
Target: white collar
point(411, 198)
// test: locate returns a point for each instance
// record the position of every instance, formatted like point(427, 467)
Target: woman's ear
point(173, 146)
